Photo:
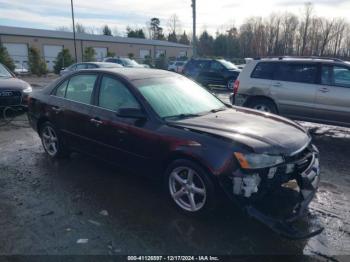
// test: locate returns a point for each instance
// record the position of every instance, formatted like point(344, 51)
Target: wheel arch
point(40, 122)
point(255, 97)
point(182, 155)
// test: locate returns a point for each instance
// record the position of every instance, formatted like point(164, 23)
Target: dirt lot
point(46, 206)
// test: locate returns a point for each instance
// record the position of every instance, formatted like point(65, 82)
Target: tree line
point(153, 30)
point(281, 35)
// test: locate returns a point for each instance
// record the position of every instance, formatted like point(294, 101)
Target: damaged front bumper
point(271, 208)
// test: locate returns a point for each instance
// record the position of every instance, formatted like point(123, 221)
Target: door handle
point(56, 109)
point(96, 122)
point(278, 84)
point(324, 90)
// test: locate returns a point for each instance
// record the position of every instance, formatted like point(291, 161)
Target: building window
point(144, 53)
point(160, 52)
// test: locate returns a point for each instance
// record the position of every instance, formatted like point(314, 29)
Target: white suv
point(311, 89)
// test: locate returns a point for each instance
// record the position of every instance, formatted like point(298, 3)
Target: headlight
point(256, 161)
point(28, 90)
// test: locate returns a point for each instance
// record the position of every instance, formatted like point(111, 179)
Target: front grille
point(10, 98)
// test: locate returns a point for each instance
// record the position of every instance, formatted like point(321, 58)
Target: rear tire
point(52, 141)
point(189, 187)
point(263, 104)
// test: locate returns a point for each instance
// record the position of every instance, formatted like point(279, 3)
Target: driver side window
point(216, 66)
point(114, 95)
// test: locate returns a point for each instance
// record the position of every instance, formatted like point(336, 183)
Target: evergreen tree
point(184, 39)
point(63, 60)
point(135, 33)
point(5, 58)
point(172, 37)
point(106, 30)
point(89, 54)
point(36, 63)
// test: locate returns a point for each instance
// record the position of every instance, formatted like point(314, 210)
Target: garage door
point(100, 53)
point(18, 53)
point(50, 54)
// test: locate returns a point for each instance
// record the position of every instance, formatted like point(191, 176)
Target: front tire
point(189, 187)
point(52, 141)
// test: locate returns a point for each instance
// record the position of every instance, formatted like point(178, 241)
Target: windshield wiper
point(218, 109)
point(181, 116)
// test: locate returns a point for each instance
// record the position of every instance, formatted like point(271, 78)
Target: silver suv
point(311, 89)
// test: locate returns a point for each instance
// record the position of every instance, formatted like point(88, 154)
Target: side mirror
point(63, 68)
point(131, 113)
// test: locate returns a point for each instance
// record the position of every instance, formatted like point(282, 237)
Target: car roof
point(301, 59)
point(134, 73)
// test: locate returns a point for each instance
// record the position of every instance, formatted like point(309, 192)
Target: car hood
point(12, 84)
point(261, 132)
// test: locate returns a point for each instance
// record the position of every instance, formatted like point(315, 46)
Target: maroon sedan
point(166, 126)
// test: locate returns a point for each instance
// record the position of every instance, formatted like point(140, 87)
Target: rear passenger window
point(263, 70)
point(61, 90)
point(80, 88)
point(91, 66)
point(292, 72)
point(81, 66)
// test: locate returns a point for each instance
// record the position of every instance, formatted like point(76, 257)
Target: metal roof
point(21, 31)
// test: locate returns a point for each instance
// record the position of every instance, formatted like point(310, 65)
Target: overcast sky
point(50, 14)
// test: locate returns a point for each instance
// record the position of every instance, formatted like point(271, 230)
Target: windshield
point(130, 62)
point(228, 64)
point(178, 97)
point(4, 73)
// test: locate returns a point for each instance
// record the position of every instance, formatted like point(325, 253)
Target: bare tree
point(305, 26)
point(174, 24)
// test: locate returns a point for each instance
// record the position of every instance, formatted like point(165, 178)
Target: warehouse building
point(17, 40)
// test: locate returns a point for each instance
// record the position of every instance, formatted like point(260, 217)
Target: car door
point(126, 141)
point(214, 73)
point(333, 95)
point(294, 88)
point(56, 105)
point(77, 111)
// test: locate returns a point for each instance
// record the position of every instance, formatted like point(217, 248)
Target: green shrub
point(36, 63)
point(63, 60)
point(110, 54)
point(148, 61)
point(161, 62)
point(5, 58)
point(89, 54)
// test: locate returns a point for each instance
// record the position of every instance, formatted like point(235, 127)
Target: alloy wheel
point(187, 189)
point(50, 140)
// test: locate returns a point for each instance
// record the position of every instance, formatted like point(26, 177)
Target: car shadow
point(140, 209)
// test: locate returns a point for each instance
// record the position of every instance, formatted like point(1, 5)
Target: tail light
point(235, 87)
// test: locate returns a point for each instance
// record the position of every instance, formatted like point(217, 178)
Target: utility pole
point(194, 38)
point(75, 43)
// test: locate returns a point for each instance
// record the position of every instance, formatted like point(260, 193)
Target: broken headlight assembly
point(257, 161)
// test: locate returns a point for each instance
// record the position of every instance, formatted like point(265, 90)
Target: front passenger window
point(114, 95)
point(341, 76)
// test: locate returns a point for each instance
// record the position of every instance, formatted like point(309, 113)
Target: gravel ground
point(48, 207)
